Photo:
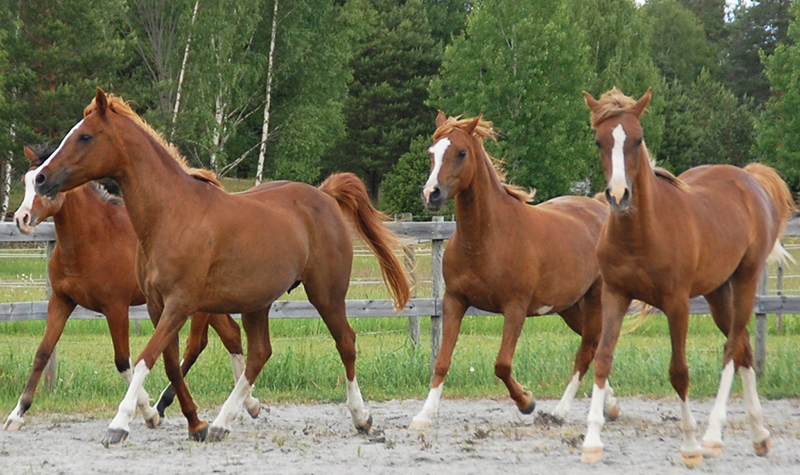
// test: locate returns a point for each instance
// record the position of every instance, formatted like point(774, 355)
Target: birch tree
point(262, 149)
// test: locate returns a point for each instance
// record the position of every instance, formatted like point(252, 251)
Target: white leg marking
point(690, 446)
point(755, 414)
point(15, 420)
point(595, 420)
point(127, 408)
point(429, 410)
point(437, 150)
point(142, 398)
point(565, 403)
point(611, 404)
point(719, 413)
point(618, 183)
point(355, 403)
point(251, 404)
point(232, 404)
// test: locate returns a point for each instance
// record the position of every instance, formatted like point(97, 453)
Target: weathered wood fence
point(436, 231)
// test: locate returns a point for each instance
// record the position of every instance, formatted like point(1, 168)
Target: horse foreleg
point(231, 336)
point(118, 326)
point(453, 310)
point(259, 350)
point(166, 330)
point(58, 311)
point(513, 321)
point(195, 344)
point(614, 307)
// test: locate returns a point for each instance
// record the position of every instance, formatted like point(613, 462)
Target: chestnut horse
point(509, 257)
point(92, 265)
point(708, 232)
point(202, 249)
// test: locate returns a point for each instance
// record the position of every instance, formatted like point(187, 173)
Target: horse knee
point(502, 370)
point(679, 377)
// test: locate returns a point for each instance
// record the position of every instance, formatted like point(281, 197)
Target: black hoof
point(366, 427)
point(200, 435)
point(531, 406)
point(114, 436)
point(216, 434)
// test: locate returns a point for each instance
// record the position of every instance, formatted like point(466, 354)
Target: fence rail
point(436, 231)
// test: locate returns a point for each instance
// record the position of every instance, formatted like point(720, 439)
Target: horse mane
point(104, 194)
point(483, 131)
point(121, 107)
point(613, 103)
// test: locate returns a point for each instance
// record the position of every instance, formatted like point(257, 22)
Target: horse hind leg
point(231, 336)
point(58, 311)
point(259, 350)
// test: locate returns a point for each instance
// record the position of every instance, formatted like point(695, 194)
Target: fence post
point(437, 291)
point(761, 330)
point(413, 321)
point(52, 363)
point(779, 316)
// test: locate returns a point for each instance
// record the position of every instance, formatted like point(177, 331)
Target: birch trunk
point(219, 120)
point(6, 185)
point(182, 73)
point(262, 151)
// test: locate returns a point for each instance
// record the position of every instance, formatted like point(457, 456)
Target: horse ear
point(470, 127)
point(641, 105)
point(590, 101)
point(30, 155)
point(101, 101)
point(440, 119)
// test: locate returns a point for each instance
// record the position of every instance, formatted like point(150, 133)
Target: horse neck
point(149, 178)
point(80, 216)
point(479, 205)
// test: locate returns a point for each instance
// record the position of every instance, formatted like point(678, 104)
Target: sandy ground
point(469, 437)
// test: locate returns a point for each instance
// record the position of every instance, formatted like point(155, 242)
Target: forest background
point(297, 89)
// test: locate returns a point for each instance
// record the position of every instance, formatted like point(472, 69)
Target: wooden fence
point(436, 231)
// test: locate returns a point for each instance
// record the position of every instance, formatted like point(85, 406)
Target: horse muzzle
point(434, 199)
point(618, 201)
point(48, 185)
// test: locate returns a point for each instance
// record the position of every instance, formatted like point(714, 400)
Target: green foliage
point(778, 142)
point(525, 72)
point(705, 123)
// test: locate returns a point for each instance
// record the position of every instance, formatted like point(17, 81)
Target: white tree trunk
point(6, 185)
point(265, 128)
point(219, 120)
point(182, 73)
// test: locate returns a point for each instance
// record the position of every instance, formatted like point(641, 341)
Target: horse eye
point(462, 153)
point(639, 142)
point(85, 137)
point(597, 142)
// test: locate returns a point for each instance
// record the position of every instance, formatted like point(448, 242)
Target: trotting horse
point(707, 232)
point(92, 265)
point(202, 249)
point(510, 257)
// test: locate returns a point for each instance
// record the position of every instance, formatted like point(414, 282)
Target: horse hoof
point(712, 449)
point(591, 455)
point(419, 424)
point(12, 425)
point(762, 448)
point(366, 427)
point(531, 405)
point(200, 435)
point(692, 460)
point(216, 434)
point(253, 409)
point(153, 422)
point(114, 436)
point(613, 413)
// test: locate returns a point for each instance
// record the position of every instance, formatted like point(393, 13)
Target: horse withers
point(706, 232)
point(509, 257)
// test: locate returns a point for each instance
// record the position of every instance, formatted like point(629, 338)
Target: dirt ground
point(469, 437)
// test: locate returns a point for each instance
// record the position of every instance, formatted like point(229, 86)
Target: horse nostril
point(609, 198)
point(40, 178)
point(435, 193)
point(625, 196)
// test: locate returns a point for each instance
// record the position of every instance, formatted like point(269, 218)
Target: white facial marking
point(54, 154)
point(437, 150)
point(618, 159)
point(27, 203)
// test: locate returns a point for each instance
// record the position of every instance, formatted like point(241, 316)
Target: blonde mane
point(483, 131)
point(613, 103)
point(118, 105)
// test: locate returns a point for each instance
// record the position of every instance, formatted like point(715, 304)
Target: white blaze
point(53, 155)
point(437, 150)
point(618, 159)
point(27, 202)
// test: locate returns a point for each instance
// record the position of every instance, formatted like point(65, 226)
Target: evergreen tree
point(395, 58)
point(711, 14)
point(778, 141)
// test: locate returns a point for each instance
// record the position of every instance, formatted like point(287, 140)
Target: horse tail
point(351, 194)
point(784, 203)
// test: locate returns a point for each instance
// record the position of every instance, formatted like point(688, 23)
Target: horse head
point(620, 140)
point(35, 209)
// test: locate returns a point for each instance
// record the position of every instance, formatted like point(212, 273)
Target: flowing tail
point(784, 203)
point(352, 197)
